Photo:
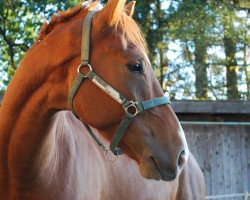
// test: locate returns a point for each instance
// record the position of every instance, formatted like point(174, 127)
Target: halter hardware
point(109, 156)
point(131, 108)
point(81, 66)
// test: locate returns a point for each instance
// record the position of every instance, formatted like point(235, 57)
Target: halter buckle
point(132, 108)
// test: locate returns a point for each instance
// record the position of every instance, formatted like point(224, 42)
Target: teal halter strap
point(131, 108)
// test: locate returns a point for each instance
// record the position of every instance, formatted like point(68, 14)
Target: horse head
point(118, 54)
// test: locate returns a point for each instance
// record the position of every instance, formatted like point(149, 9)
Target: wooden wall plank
point(248, 155)
point(244, 159)
point(223, 153)
point(232, 164)
point(226, 160)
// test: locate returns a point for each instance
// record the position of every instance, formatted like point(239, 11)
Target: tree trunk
point(231, 68)
point(200, 66)
point(230, 62)
point(247, 74)
point(161, 79)
point(161, 45)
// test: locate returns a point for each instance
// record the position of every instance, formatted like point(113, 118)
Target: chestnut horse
point(46, 153)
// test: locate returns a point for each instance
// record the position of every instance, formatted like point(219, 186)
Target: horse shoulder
point(69, 166)
point(191, 182)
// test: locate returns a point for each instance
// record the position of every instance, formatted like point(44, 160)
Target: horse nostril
point(182, 158)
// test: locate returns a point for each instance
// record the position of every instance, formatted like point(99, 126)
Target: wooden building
point(218, 134)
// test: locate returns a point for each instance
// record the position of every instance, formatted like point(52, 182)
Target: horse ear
point(130, 8)
point(111, 11)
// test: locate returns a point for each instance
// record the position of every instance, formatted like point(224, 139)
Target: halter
point(131, 108)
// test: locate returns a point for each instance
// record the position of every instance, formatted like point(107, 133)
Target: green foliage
point(20, 21)
point(198, 27)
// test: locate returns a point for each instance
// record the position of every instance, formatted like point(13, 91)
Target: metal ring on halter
point(108, 152)
point(81, 66)
point(134, 105)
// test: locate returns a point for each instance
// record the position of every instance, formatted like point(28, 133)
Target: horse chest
point(71, 167)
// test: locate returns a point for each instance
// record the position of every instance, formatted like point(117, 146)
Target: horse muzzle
point(163, 168)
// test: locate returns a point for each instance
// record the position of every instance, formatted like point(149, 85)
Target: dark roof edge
point(211, 107)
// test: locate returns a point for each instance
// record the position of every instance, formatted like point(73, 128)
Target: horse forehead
point(115, 42)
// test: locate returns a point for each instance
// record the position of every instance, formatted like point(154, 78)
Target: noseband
point(131, 108)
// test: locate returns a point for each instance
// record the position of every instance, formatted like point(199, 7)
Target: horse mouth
point(164, 177)
point(150, 169)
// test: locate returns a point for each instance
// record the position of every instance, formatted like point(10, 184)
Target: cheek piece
point(131, 108)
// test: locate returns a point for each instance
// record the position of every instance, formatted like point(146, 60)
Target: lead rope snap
point(110, 156)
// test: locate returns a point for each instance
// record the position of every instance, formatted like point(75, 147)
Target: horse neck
point(36, 92)
point(32, 95)
point(39, 85)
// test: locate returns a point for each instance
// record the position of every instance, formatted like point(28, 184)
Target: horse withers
point(47, 154)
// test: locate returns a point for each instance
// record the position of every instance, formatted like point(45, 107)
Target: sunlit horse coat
point(46, 153)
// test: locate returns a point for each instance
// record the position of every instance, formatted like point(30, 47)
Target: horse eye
point(136, 67)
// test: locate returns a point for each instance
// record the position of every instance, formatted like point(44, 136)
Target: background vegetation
point(200, 49)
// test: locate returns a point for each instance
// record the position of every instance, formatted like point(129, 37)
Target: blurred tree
point(246, 67)
point(205, 25)
point(19, 24)
point(230, 39)
point(192, 22)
